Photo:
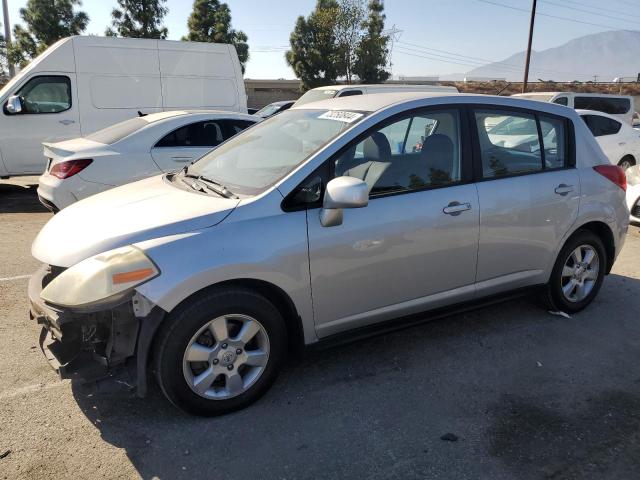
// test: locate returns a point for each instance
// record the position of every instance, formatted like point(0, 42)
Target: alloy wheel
point(226, 356)
point(580, 273)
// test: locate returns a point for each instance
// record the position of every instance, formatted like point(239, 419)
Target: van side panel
point(199, 75)
point(117, 77)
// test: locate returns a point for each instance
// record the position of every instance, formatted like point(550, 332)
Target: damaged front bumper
point(93, 345)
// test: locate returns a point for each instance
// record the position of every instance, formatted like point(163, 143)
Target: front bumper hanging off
point(90, 346)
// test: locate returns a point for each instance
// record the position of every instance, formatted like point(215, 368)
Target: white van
point(621, 106)
point(332, 91)
point(82, 84)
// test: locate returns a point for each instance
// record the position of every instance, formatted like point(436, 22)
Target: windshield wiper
point(217, 187)
point(207, 182)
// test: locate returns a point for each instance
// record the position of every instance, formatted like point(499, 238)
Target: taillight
point(613, 173)
point(69, 168)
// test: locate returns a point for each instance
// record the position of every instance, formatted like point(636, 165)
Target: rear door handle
point(456, 208)
point(181, 159)
point(66, 122)
point(563, 189)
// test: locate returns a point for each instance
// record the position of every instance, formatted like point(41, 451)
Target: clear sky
point(437, 36)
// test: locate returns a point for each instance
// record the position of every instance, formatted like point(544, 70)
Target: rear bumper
point(55, 194)
point(84, 346)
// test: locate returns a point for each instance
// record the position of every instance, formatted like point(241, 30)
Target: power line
point(598, 9)
point(549, 15)
point(588, 12)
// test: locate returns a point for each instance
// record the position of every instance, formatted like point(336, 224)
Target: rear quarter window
point(612, 106)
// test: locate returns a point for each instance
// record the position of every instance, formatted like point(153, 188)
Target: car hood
point(125, 215)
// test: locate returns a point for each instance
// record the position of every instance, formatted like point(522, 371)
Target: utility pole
point(7, 35)
point(526, 65)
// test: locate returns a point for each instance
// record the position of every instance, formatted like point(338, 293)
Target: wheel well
point(280, 300)
point(606, 235)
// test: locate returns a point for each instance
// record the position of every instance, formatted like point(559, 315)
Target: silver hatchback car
point(327, 219)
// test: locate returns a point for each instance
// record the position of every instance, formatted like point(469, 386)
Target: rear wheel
point(220, 352)
point(627, 162)
point(578, 272)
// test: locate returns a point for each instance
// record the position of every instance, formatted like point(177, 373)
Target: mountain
point(606, 55)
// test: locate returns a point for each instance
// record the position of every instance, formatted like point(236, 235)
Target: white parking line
point(16, 392)
point(18, 277)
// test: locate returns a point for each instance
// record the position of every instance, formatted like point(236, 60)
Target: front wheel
point(578, 273)
point(220, 352)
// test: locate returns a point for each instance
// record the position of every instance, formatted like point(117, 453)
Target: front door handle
point(563, 189)
point(456, 208)
point(66, 122)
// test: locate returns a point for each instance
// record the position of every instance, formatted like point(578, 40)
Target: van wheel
point(627, 162)
point(578, 273)
point(220, 352)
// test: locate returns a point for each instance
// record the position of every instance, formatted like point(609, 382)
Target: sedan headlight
point(102, 280)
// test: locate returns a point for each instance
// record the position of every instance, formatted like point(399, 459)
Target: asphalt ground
point(523, 393)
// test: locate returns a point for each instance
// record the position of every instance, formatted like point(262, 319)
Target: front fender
point(270, 249)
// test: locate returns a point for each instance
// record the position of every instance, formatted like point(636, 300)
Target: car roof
point(377, 101)
point(158, 116)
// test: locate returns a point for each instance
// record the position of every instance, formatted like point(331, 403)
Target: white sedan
point(131, 150)
point(619, 141)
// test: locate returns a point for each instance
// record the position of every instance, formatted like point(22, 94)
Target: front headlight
point(633, 175)
point(106, 278)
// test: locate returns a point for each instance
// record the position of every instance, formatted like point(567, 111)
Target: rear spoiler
point(54, 152)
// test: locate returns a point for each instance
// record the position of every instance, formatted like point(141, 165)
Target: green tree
point(4, 67)
point(138, 19)
point(314, 55)
point(46, 22)
point(372, 52)
point(348, 33)
point(210, 21)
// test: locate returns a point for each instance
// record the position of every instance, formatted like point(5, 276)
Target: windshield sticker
point(341, 116)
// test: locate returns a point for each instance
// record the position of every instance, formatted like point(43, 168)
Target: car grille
point(635, 211)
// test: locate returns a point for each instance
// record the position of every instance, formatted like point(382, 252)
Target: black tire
point(187, 319)
point(554, 297)
point(628, 160)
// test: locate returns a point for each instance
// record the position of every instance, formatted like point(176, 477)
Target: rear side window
point(509, 143)
point(601, 126)
point(612, 106)
point(554, 140)
point(200, 134)
point(562, 101)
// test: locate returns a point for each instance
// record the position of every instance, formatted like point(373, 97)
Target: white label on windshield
point(341, 116)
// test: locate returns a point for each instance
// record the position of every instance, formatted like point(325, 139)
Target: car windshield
point(257, 158)
point(117, 132)
point(316, 95)
point(268, 110)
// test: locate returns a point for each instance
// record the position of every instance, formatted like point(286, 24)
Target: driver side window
point(413, 153)
point(46, 94)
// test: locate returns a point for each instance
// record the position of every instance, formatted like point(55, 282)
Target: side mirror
point(342, 192)
point(14, 105)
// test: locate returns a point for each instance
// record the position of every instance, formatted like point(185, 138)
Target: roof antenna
point(140, 114)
